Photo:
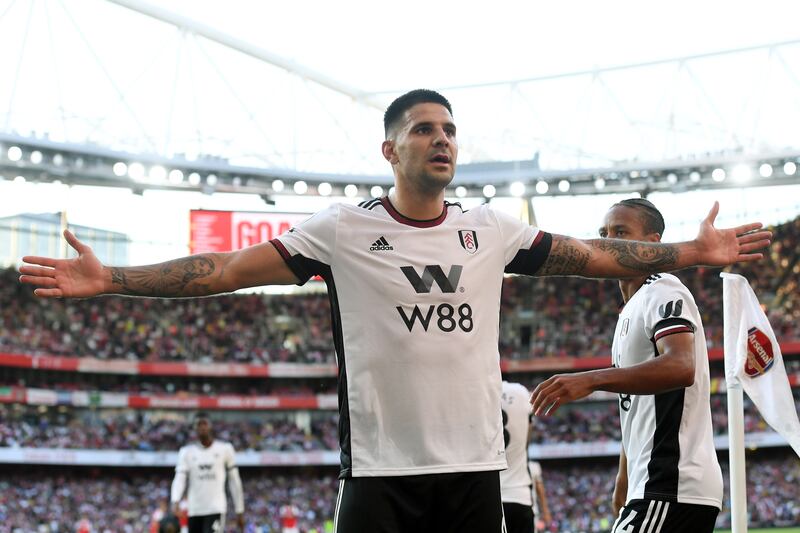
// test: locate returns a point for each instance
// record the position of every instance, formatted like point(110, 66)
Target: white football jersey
point(206, 472)
point(515, 481)
point(667, 437)
point(415, 310)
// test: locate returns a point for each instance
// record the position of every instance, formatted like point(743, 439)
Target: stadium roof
point(299, 87)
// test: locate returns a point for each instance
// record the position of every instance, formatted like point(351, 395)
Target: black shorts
point(656, 516)
point(466, 502)
point(209, 523)
point(519, 518)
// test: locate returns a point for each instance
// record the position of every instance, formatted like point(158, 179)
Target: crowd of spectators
point(579, 496)
point(541, 317)
point(125, 501)
point(162, 431)
point(72, 428)
point(599, 422)
point(147, 385)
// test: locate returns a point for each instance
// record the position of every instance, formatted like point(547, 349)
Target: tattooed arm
point(616, 258)
point(609, 258)
point(197, 275)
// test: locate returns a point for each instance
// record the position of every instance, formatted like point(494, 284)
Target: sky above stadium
point(91, 71)
point(94, 71)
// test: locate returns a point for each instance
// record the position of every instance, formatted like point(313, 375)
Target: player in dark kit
point(414, 284)
point(669, 479)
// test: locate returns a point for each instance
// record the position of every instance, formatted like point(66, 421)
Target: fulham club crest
point(469, 240)
point(759, 353)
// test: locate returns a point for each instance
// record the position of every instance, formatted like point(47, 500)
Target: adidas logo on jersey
point(381, 245)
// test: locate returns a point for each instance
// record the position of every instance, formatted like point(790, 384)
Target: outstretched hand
point(721, 247)
point(80, 277)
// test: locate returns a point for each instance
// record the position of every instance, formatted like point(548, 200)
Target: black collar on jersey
point(395, 214)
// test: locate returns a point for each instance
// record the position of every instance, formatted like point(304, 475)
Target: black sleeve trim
point(302, 267)
point(671, 326)
point(529, 261)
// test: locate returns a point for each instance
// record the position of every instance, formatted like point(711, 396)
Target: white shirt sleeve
point(669, 308)
point(309, 246)
point(181, 476)
point(526, 247)
point(536, 471)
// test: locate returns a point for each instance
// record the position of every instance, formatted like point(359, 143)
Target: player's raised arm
point(197, 275)
point(619, 259)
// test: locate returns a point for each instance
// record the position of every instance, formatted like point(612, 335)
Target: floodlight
point(517, 189)
point(119, 168)
point(175, 176)
point(542, 187)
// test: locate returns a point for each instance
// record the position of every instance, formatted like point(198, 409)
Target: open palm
point(721, 247)
point(80, 277)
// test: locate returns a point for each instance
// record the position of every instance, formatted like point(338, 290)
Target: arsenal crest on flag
point(469, 240)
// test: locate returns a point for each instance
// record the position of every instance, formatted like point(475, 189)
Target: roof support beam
point(249, 49)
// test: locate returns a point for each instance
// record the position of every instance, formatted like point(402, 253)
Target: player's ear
point(389, 152)
point(653, 237)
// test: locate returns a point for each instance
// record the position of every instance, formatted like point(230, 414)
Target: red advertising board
point(224, 231)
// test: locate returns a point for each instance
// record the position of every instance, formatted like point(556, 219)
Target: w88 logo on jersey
point(445, 316)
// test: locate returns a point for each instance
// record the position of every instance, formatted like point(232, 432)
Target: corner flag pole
point(738, 500)
point(736, 458)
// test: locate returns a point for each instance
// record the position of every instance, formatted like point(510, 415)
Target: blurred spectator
point(160, 431)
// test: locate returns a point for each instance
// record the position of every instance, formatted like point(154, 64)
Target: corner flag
point(753, 362)
point(753, 357)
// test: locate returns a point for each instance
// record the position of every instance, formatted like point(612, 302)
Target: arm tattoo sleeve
point(565, 258)
point(639, 256)
point(188, 276)
point(570, 257)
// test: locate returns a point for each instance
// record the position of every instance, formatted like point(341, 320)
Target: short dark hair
point(201, 415)
point(652, 217)
point(405, 102)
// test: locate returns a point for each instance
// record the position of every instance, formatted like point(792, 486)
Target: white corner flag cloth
point(753, 357)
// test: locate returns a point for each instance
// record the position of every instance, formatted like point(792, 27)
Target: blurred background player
point(516, 482)
point(669, 479)
point(203, 467)
point(541, 511)
point(289, 518)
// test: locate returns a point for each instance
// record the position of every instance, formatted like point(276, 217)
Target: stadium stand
point(122, 375)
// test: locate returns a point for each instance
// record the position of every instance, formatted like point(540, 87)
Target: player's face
point(423, 151)
point(203, 428)
point(623, 222)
